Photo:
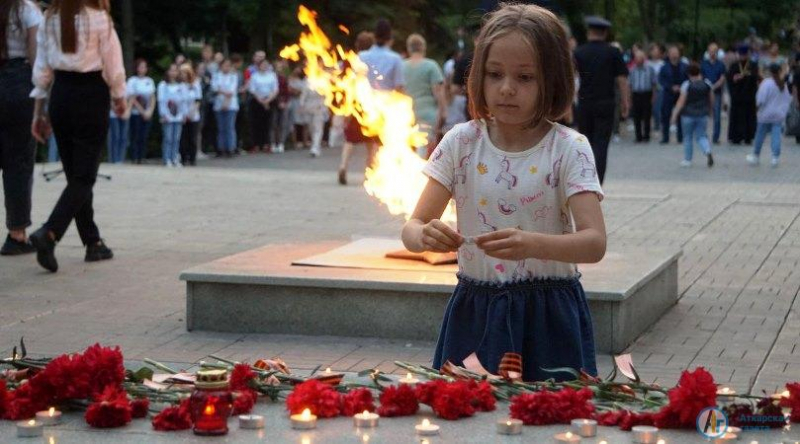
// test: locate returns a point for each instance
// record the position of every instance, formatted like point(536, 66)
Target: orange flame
point(396, 179)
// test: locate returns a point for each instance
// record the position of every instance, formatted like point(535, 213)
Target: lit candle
point(645, 434)
point(726, 438)
point(304, 421)
point(410, 380)
point(603, 442)
point(509, 426)
point(732, 429)
point(568, 437)
point(778, 396)
point(584, 427)
point(328, 371)
point(661, 441)
point(426, 428)
point(366, 419)
point(49, 417)
point(29, 429)
point(727, 395)
point(251, 422)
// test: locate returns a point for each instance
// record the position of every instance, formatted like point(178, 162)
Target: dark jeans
point(79, 105)
point(189, 143)
point(667, 105)
point(642, 111)
point(209, 132)
point(17, 149)
point(596, 121)
point(140, 129)
point(260, 123)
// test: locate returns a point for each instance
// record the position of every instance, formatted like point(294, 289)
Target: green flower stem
point(160, 366)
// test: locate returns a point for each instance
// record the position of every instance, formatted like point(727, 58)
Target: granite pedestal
point(260, 291)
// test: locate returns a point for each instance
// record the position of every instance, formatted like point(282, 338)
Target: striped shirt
point(642, 78)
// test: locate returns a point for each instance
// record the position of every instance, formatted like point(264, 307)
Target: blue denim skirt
point(546, 321)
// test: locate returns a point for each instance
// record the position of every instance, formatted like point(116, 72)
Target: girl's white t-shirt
point(192, 93)
point(171, 101)
point(494, 190)
point(29, 15)
point(140, 89)
point(229, 82)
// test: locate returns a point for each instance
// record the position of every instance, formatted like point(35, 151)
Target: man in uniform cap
point(599, 66)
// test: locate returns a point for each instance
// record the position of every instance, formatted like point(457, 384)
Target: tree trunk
point(128, 49)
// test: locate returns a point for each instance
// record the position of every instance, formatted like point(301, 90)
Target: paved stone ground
point(739, 279)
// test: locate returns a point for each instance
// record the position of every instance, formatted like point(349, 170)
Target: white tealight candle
point(49, 417)
point(426, 428)
point(366, 419)
point(509, 426)
point(29, 429)
point(409, 379)
point(584, 427)
point(567, 437)
point(645, 434)
point(251, 422)
point(304, 421)
point(726, 438)
point(732, 429)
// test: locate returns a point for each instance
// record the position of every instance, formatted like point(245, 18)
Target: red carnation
point(483, 396)
point(316, 396)
point(23, 403)
point(65, 377)
point(104, 365)
point(398, 401)
point(453, 401)
point(356, 401)
point(140, 407)
point(241, 376)
point(549, 407)
point(174, 418)
point(771, 414)
point(630, 420)
point(611, 418)
point(244, 401)
point(793, 401)
point(5, 398)
point(426, 392)
point(695, 391)
point(111, 409)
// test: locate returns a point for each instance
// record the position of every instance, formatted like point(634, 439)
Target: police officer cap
point(594, 21)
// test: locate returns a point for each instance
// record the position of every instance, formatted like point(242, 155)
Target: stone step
point(261, 291)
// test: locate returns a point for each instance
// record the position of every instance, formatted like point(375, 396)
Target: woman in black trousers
point(79, 108)
point(19, 21)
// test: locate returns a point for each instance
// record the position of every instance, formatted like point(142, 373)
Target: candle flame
point(306, 440)
point(569, 435)
point(425, 423)
point(603, 442)
point(328, 370)
point(209, 410)
point(396, 178)
point(661, 441)
point(366, 413)
point(508, 423)
point(408, 376)
point(365, 438)
point(52, 411)
point(52, 440)
point(785, 394)
point(32, 422)
point(306, 415)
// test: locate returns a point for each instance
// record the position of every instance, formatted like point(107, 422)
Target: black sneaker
point(342, 177)
point(710, 160)
point(13, 247)
point(45, 249)
point(98, 252)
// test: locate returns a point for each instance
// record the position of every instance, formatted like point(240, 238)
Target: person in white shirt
point(313, 105)
point(19, 21)
point(142, 96)
point(193, 93)
point(78, 55)
point(226, 105)
point(263, 89)
point(172, 112)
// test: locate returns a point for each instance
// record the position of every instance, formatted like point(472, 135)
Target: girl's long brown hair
point(67, 10)
point(7, 7)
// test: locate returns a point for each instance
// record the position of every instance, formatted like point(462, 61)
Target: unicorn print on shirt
point(510, 179)
point(587, 166)
point(461, 171)
point(554, 177)
point(487, 227)
point(520, 272)
point(505, 208)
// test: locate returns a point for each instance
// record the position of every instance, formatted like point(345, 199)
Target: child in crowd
point(172, 112)
point(528, 205)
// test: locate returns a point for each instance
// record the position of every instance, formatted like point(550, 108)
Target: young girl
point(772, 99)
point(528, 205)
point(142, 91)
point(193, 93)
point(172, 110)
point(694, 108)
point(225, 85)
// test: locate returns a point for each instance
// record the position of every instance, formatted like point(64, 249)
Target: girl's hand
point(509, 244)
point(439, 237)
point(40, 128)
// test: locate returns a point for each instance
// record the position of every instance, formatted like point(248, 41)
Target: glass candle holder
point(211, 403)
